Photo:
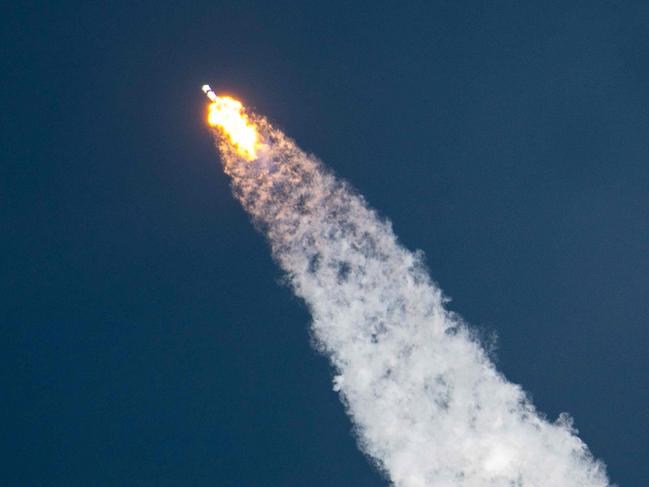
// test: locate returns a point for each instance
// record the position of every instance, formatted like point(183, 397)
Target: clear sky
point(146, 337)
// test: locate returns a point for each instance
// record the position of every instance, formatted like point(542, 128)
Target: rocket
point(208, 91)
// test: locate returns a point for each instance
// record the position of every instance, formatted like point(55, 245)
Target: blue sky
point(146, 336)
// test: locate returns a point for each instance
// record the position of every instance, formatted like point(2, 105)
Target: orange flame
point(228, 114)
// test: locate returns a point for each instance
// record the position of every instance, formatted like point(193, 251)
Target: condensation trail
point(427, 404)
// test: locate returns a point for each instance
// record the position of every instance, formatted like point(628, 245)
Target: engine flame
point(228, 114)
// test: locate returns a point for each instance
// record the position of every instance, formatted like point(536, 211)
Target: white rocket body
point(208, 91)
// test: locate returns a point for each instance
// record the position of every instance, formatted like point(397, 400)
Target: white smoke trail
point(428, 405)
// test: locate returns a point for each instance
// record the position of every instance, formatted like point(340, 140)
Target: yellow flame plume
point(227, 114)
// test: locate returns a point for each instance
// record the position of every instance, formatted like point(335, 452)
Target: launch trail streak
point(427, 403)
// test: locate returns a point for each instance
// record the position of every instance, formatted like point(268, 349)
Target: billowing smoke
point(427, 403)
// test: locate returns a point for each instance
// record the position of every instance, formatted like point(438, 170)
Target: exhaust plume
point(428, 405)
